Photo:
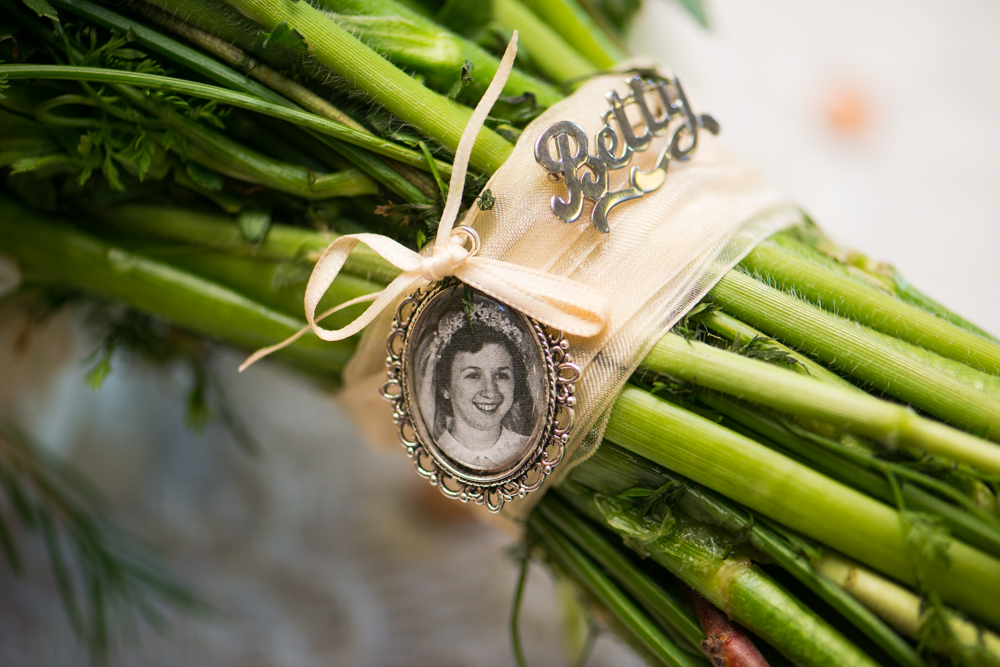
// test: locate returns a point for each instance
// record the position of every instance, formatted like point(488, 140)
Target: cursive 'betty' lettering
point(586, 174)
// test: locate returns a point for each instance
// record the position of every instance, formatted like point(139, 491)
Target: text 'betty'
point(571, 155)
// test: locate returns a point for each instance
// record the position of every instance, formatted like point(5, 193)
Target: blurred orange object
point(848, 111)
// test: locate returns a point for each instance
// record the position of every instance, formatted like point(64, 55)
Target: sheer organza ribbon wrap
point(664, 252)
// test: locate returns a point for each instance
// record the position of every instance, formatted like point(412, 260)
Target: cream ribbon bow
point(555, 301)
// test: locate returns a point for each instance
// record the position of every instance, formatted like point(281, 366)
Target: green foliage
point(287, 44)
point(620, 12)
point(254, 224)
point(42, 8)
point(635, 520)
point(442, 186)
point(486, 200)
point(106, 579)
point(465, 17)
point(758, 348)
point(463, 80)
point(141, 337)
point(203, 177)
point(696, 8)
point(694, 330)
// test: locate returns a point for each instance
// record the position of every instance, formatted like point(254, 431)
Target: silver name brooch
point(572, 154)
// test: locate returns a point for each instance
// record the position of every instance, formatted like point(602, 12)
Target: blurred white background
point(879, 117)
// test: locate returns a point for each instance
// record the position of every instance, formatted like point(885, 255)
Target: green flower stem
point(668, 611)
point(23, 138)
point(587, 574)
point(418, 43)
point(975, 525)
point(842, 345)
point(407, 187)
point(404, 181)
point(575, 26)
point(787, 391)
point(729, 328)
point(220, 153)
point(603, 21)
point(223, 96)
point(277, 88)
point(984, 382)
point(58, 254)
point(194, 60)
point(791, 493)
point(281, 242)
point(904, 611)
point(910, 294)
point(872, 307)
point(696, 554)
point(549, 52)
point(611, 471)
point(383, 82)
point(884, 275)
point(275, 285)
point(218, 18)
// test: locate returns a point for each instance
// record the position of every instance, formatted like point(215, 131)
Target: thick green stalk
point(669, 612)
point(587, 574)
point(975, 525)
point(150, 39)
point(417, 42)
point(612, 471)
point(729, 328)
point(795, 495)
point(221, 20)
point(251, 103)
point(411, 185)
point(278, 286)
point(910, 294)
point(787, 391)
point(842, 345)
point(871, 307)
point(23, 138)
point(226, 156)
point(280, 242)
point(402, 180)
point(575, 26)
point(884, 275)
point(383, 82)
point(54, 253)
point(905, 612)
point(984, 382)
point(696, 554)
point(603, 21)
point(548, 51)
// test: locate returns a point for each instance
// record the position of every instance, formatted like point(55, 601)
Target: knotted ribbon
point(555, 301)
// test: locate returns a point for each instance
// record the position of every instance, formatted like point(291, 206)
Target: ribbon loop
point(552, 300)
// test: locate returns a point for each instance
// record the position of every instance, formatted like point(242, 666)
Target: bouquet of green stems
point(811, 450)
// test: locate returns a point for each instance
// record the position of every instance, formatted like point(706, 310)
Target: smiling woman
point(478, 384)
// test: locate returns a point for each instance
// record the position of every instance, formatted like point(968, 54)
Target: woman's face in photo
point(482, 386)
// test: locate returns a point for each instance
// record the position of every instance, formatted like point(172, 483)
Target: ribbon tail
point(463, 152)
point(264, 351)
point(325, 272)
point(403, 283)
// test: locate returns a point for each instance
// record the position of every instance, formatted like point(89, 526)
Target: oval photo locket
point(482, 394)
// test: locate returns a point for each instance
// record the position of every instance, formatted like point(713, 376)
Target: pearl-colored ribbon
point(555, 301)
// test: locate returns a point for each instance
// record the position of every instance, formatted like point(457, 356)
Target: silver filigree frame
point(454, 480)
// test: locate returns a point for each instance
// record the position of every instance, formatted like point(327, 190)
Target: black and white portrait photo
point(477, 380)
